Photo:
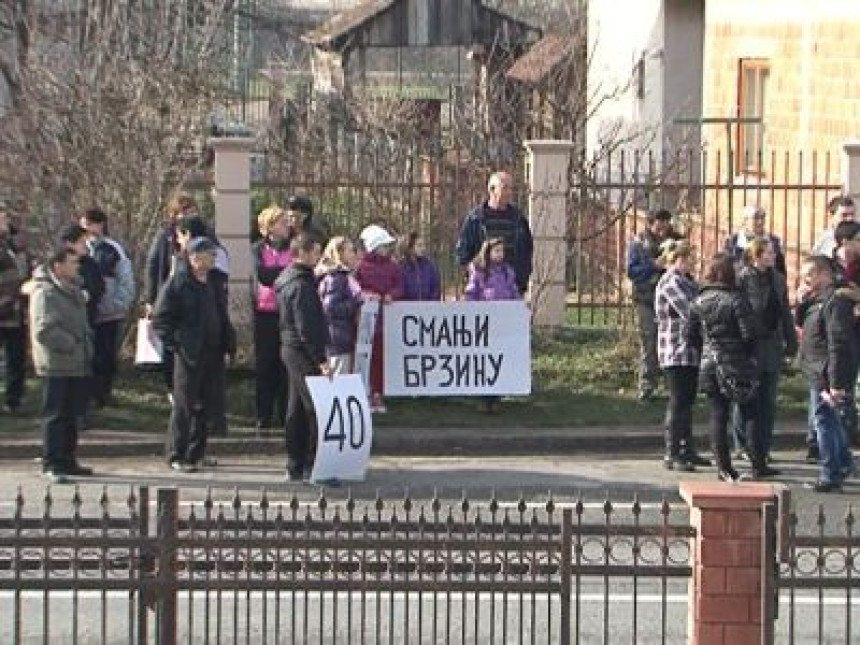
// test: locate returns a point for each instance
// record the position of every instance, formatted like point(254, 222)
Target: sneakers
point(681, 464)
point(824, 487)
point(377, 404)
point(731, 475)
point(182, 466)
point(762, 472)
point(696, 459)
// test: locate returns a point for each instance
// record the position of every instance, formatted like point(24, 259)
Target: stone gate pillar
point(548, 163)
point(728, 603)
point(232, 219)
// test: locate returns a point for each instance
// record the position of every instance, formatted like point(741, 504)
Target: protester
point(300, 219)
point(841, 209)
point(765, 289)
point(74, 238)
point(380, 278)
point(491, 278)
point(62, 355)
point(677, 355)
point(737, 244)
point(164, 248)
point(12, 330)
point(722, 320)
point(271, 256)
point(304, 337)
point(497, 217)
point(341, 299)
point(114, 305)
point(421, 279)
point(644, 269)
point(828, 357)
point(191, 319)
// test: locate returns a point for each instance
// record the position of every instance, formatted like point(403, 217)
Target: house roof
point(541, 60)
point(396, 23)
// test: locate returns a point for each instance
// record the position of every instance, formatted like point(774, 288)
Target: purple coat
point(341, 298)
point(498, 282)
point(420, 280)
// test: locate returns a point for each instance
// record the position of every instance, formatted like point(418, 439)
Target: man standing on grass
point(644, 268)
point(12, 333)
point(191, 319)
point(62, 355)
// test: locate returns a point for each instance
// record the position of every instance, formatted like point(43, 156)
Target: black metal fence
point(342, 570)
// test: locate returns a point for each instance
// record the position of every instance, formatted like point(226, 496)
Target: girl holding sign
point(491, 278)
point(341, 298)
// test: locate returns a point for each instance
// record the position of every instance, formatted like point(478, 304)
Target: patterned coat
point(674, 295)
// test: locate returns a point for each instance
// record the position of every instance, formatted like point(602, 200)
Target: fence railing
point(342, 570)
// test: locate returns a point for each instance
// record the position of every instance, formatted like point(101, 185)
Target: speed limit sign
point(344, 430)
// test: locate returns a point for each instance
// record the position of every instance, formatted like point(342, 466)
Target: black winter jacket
point(767, 294)
point(178, 321)
point(828, 352)
point(302, 319)
point(93, 285)
point(158, 261)
point(722, 320)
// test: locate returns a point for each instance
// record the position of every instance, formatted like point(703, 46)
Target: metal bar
point(140, 578)
point(768, 589)
point(566, 547)
point(168, 507)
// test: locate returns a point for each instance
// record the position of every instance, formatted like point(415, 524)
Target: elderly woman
point(722, 318)
point(677, 354)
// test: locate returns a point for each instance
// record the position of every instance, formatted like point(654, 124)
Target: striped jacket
point(675, 293)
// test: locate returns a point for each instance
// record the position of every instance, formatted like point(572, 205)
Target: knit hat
point(374, 236)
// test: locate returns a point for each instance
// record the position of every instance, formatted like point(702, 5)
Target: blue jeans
point(832, 442)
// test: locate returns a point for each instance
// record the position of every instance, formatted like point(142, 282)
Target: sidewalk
point(488, 441)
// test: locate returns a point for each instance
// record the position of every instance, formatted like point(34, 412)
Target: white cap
point(374, 236)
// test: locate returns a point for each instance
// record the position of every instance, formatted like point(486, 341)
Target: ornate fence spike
point(821, 519)
point(379, 503)
point(521, 503)
point(322, 502)
point(607, 507)
point(407, 501)
point(493, 506)
point(849, 516)
point(636, 508)
point(464, 503)
point(77, 502)
point(19, 502)
point(236, 502)
point(665, 509)
point(350, 501)
point(104, 501)
point(207, 501)
point(579, 507)
point(294, 504)
point(47, 502)
point(436, 503)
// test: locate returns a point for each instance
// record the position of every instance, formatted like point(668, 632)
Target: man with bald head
point(499, 217)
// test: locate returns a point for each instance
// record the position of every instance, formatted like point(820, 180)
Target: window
point(753, 77)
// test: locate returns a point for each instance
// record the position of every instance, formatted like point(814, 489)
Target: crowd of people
point(306, 291)
point(731, 334)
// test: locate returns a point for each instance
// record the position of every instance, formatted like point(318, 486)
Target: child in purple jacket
point(341, 298)
point(420, 276)
point(490, 277)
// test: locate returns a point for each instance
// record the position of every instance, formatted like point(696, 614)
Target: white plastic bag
point(148, 348)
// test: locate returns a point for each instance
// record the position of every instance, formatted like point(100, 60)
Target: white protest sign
point(345, 432)
point(364, 340)
point(148, 346)
point(457, 348)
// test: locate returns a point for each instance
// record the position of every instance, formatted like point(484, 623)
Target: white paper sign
point(345, 432)
point(364, 340)
point(148, 348)
point(457, 348)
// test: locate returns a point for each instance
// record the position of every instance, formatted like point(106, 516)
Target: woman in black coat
point(723, 321)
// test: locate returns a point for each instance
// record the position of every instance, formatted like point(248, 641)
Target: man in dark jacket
point(191, 319)
point(62, 354)
point(755, 220)
point(828, 357)
point(12, 331)
point(74, 238)
point(300, 219)
point(644, 269)
point(304, 336)
point(499, 217)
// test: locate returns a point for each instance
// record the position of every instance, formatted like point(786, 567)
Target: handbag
point(737, 388)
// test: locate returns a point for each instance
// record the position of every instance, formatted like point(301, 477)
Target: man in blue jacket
point(498, 217)
point(644, 269)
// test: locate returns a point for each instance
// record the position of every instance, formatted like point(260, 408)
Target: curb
point(423, 442)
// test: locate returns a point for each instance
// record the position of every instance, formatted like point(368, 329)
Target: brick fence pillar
point(726, 593)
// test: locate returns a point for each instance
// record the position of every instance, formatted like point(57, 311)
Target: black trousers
point(197, 390)
point(270, 373)
point(721, 414)
point(105, 349)
point(64, 399)
point(14, 342)
point(301, 423)
point(683, 384)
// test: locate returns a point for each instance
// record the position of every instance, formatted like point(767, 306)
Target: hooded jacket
point(61, 336)
point(302, 319)
point(767, 294)
point(341, 299)
point(497, 282)
point(828, 351)
point(118, 274)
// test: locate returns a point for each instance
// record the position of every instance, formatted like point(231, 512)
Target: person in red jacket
point(380, 278)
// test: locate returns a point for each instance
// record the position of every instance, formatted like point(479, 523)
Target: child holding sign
point(341, 298)
point(491, 278)
point(304, 336)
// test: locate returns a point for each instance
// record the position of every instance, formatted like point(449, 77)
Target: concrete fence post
point(726, 593)
point(548, 165)
point(233, 218)
point(851, 167)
